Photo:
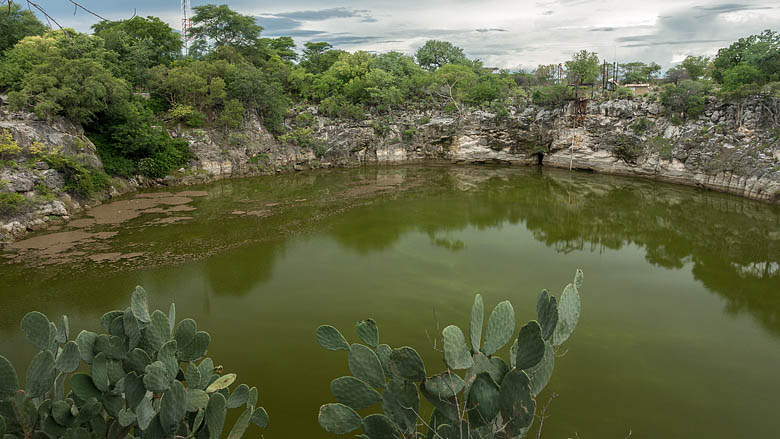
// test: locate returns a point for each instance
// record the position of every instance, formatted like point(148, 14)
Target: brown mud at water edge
point(52, 248)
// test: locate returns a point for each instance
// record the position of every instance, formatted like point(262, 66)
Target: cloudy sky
point(507, 34)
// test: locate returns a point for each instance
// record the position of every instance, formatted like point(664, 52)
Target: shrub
point(549, 96)
point(187, 114)
point(624, 93)
point(8, 146)
point(625, 148)
point(338, 106)
point(495, 400)
point(299, 136)
point(79, 179)
point(686, 99)
point(13, 203)
point(662, 146)
point(641, 125)
point(142, 382)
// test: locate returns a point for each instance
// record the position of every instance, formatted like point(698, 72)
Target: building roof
point(637, 85)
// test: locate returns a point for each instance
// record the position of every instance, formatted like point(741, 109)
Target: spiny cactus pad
point(378, 426)
point(500, 327)
point(368, 332)
point(517, 404)
point(330, 338)
point(482, 401)
point(475, 324)
point(383, 351)
point(215, 415)
point(541, 373)
point(260, 417)
point(547, 313)
point(401, 402)
point(222, 382)
point(36, 328)
point(568, 314)
point(338, 418)
point(354, 392)
point(9, 382)
point(444, 385)
point(239, 428)
point(530, 346)
point(364, 364)
point(406, 363)
point(40, 374)
point(456, 352)
point(238, 397)
point(139, 305)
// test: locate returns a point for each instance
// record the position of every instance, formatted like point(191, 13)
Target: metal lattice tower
point(186, 24)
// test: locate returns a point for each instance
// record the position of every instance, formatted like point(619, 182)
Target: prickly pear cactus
point(492, 399)
point(145, 378)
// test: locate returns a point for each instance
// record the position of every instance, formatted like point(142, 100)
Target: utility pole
point(186, 24)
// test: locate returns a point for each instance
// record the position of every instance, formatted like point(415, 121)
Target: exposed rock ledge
point(713, 152)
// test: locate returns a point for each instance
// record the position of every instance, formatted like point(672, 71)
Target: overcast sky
point(507, 34)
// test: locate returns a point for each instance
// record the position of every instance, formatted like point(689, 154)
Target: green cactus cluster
point(147, 378)
point(492, 398)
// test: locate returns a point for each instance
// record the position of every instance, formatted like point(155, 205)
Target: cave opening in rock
point(540, 158)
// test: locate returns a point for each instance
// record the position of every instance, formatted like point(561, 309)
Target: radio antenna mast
point(186, 24)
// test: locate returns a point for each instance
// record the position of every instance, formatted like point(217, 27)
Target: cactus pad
point(196, 348)
point(40, 374)
point(139, 305)
point(156, 377)
point(456, 353)
point(541, 373)
point(401, 402)
point(364, 364)
point(86, 342)
point(475, 324)
point(185, 332)
point(368, 332)
point(338, 418)
point(500, 327)
point(331, 339)
point(239, 428)
point(383, 351)
point(9, 382)
point(260, 417)
point(482, 402)
point(82, 386)
point(378, 426)
point(196, 400)
point(354, 392)
point(406, 363)
point(238, 397)
point(215, 415)
point(444, 385)
point(547, 313)
point(172, 408)
point(158, 332)
point(517, 404)
point(568, 314)
point(222, 382)
point(36, 328)
point(530, 346)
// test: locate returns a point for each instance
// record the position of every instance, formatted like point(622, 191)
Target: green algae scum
point(680, 329)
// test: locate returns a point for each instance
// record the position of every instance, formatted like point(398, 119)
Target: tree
point(546, 74)
point(696, 66)
point(676, 74)
point(583, 67)
point(685, 99)
point(434, 54)
point(451, 82)
point(17, 23)
point(317, 57)
point(284, 47)
point(761, 51)
point(140, 43)
point(638, 72)
point(215, 26)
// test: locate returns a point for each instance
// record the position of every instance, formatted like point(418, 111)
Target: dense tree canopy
point(215, 26)
point(17, 23)
point(583, 67)
point(434, 54)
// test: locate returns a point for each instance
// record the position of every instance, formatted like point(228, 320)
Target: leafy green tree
point(676, 74)
point(451, 83)
point(685, 99)
point(583, 67)
point(215, 26)
point(762, 51)
point(546, 74)
point(17, 23)
point(140, 43)
point(317, 57)
point(639, 72)
point(435, 54)
point(696, 66)
point(284, 47)
point(232, 115)
point(741, 80)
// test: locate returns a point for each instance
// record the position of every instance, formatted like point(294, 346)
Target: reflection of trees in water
point(722, 236)
point(236, 273)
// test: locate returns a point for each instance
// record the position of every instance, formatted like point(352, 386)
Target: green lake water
point(680, 329)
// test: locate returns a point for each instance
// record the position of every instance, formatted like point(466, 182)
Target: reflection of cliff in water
point(733, 244)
